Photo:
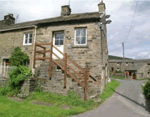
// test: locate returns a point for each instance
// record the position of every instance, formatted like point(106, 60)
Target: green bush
point(18, 57)
point(4, 90)
point(8, 91)
point(147, 90)
point(118, 71)
point(17, 76)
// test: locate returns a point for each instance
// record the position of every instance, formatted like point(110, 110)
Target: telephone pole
point(123, 58)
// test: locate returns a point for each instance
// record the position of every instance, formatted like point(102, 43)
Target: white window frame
point(61, 32)
point(75, 37)
point(118, 64)
point(27, 39)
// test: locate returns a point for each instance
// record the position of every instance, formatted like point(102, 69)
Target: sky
point(136, 43)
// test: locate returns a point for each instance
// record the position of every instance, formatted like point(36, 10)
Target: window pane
point(26, 40)
point(83, 32)
point(83, 40)
point(56, 42)
point(26, 35)
point(77, 40)
point(77, 32)
point(56, 36)
point(30, 35)
point(61, 36)
point(61, 42)
point(30, 40)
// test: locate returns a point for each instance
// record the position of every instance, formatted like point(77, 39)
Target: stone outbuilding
point(130, 68)
point(81, 37)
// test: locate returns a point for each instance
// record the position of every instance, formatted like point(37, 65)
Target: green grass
point(144, 79)
point(109, 90)
point(10, 108)
point(117, 77)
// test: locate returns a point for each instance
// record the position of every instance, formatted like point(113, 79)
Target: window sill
point(27, 44)
point(80, 46)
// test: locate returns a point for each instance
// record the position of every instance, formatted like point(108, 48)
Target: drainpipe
point(33, 70)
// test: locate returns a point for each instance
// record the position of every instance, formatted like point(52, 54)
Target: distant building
point(131, 68)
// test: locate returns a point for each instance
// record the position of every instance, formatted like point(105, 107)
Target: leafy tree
point(18, 75)
point(18, 57)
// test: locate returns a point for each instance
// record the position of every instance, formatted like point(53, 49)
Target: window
point(118, 69)
point(59, 38)
point(132, 63)
point(118, 64)
point(80, 36)
point(26, 63)
point(27, 39)
point(126, 64)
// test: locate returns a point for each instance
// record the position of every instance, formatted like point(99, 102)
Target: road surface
point(127, 101)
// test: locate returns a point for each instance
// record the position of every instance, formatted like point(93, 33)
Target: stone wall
point(91, 53)
point(9, 40)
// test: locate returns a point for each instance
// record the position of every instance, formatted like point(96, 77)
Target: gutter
point(18, 28)
point(33, 70)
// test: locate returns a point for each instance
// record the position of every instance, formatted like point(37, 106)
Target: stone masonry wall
point(91, 53)
point(9, 40)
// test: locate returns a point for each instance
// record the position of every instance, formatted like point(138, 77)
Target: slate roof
point(80, 16)
point(136, 66)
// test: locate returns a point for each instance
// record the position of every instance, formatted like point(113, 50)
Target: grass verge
point(144, 79)
point(117, 77)
point(27, 108)
point(9, 108)
point(109, 90)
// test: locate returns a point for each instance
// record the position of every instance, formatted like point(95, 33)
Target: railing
point(63, 64)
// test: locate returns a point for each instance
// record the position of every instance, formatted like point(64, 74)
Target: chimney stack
point(65, 10)
point(101, 7)
point(9, 19)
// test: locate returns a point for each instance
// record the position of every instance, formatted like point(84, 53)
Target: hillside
point(117, 57)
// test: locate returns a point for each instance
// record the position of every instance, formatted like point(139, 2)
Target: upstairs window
point(118, 64)
point(80, 36)
point(27, 39)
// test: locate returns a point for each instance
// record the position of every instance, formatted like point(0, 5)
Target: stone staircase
point(69, 76)
point(56, 83)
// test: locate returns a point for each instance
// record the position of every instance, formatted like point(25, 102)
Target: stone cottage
point(130, 68)
point(82, 37)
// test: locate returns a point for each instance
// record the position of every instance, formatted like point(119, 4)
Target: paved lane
point(127, 101)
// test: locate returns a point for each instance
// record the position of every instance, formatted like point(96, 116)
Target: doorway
point(58, 41)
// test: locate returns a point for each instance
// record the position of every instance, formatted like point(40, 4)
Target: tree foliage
point(18, 57)
point(147, 90)
point(18, 75)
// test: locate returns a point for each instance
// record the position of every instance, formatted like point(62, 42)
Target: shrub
point(147, 89)
point(17, 76)
point(18, 57)
point(118, 71)
point(4, 90)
